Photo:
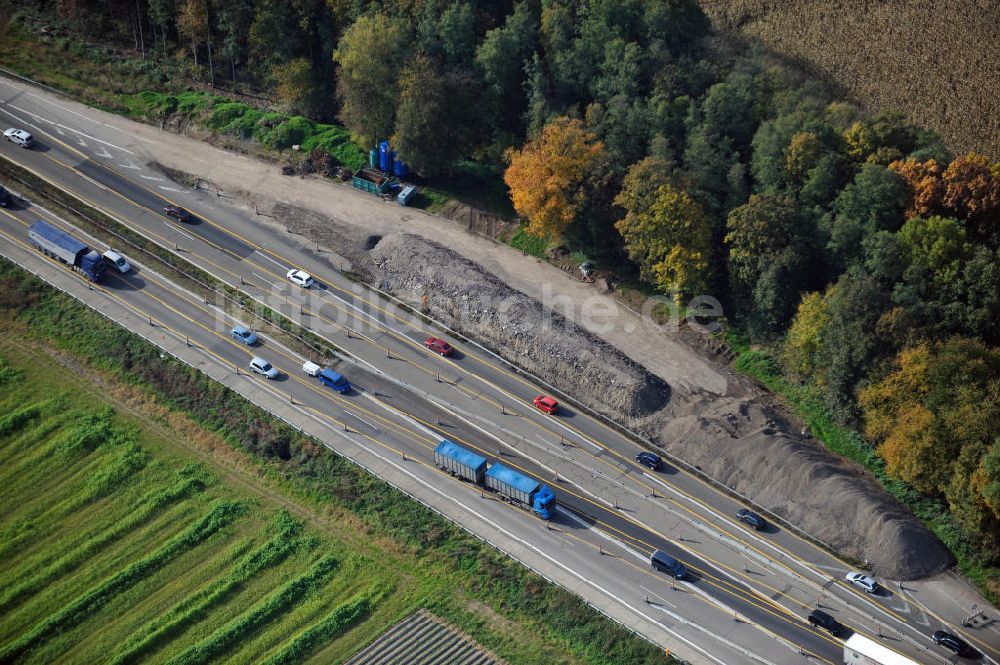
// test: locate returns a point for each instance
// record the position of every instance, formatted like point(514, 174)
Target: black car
point(820, 619)
point(750, 518)
point(5, 199)
point(651, 460)
point(952, 643)
point(178, 213)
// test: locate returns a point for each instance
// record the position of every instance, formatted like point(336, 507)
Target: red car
point(438, 345)
point(178, 213)
point(547, 404)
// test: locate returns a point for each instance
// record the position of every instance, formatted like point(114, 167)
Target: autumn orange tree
point(923, 180)
point(969, 188)
point(547, 177)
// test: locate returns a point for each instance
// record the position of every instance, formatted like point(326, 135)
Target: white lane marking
point(103, 153)
point(76, 113)
point(58, 125)
point(150, 177)
point(81, 142)
point(172, 189)
point(60, 132)
point(662, 599)
point(27, 112)
point(22, 120)
point(130, 165)
point(265, 256)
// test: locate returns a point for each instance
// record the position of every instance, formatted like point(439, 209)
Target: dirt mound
point(744, 447)
point(739, 439)
point(474, 302)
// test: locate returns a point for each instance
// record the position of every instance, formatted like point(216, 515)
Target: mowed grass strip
point(288, 595)
point(199, 605)
point(221, 514)
point(337, 621)
point(145, 510)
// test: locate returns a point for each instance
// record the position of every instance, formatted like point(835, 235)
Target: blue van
point(331, 379)
point(665, 563)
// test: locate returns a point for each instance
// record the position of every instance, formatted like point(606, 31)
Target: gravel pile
point(748, 449)
point(477, 304)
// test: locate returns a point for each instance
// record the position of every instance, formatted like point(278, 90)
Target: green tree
point(296, 87)
point(670, 239)
point(852, 340)
point(873, 202)
point(434, 116)
point(769, 261)
point(502, 57)
point(369, 57)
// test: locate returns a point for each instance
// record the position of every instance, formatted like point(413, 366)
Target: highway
point(613, 509)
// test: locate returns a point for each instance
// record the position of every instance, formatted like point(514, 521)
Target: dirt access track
point(585, 344)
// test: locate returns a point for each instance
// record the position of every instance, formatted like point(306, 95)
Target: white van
point(19, 136)
point(311, 368)
point(117, 260)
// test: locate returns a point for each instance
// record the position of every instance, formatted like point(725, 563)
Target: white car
point(19, 136)
point(301, 278)
point(264, 368)
point(117, 260)
point(866, 582)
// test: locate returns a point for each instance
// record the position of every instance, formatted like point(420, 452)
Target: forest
point(857, 250)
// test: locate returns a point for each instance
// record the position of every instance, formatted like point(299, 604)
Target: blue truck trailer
point(460, 462)
point(508, 483)
point(64, 247)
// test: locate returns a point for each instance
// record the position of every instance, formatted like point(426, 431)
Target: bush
point(528, 243)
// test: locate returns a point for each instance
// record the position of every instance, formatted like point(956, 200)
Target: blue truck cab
point(331, 379)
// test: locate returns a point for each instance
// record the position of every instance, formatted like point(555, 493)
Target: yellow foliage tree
point(670, 237)
point(547, 176)
point(802, 153)
point(803, 342)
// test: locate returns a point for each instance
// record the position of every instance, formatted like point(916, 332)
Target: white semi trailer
point(859, 650)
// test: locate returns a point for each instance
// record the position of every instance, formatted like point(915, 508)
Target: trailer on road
point(64, 247)
point(859, 650)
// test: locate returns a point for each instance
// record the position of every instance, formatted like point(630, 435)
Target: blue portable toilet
point(373, 157)
point(401, 169)
point(390, 160)
point(383, 156)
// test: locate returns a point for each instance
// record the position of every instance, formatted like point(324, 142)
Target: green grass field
point(116, 548)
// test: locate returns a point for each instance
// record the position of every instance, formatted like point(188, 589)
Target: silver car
point(866, 582)
point(264, 368)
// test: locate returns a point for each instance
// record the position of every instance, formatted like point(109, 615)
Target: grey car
point(264, 368)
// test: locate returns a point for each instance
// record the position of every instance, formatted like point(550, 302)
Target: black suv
point(952, 643)
point(651, 460)
point(5, 199)
point(820, 619)
point(750, 518)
